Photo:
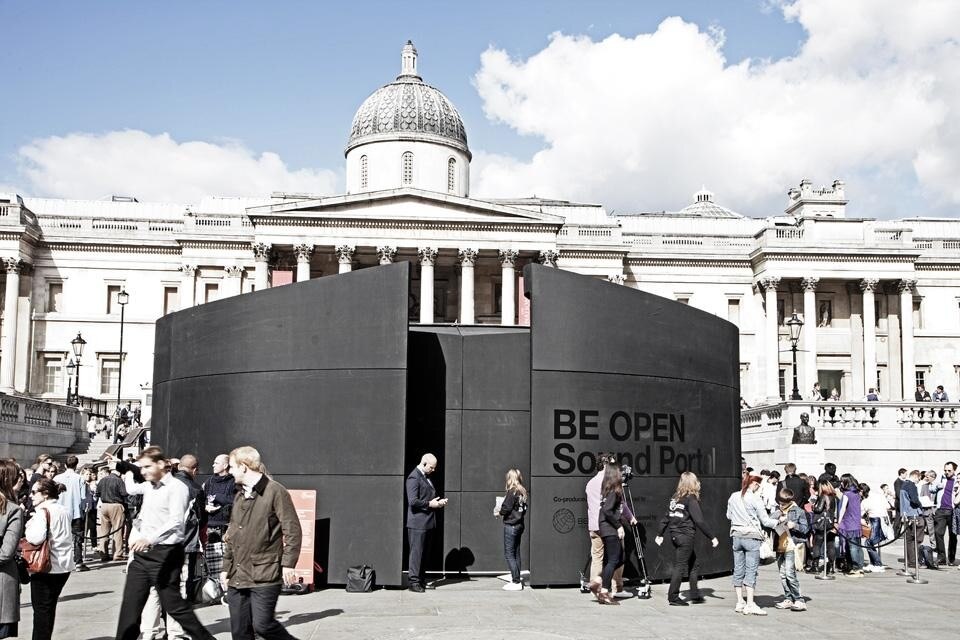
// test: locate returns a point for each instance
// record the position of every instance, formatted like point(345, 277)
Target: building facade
point(879, 299)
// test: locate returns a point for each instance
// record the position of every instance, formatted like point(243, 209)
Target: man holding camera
point(422, 505)
point(594, 498)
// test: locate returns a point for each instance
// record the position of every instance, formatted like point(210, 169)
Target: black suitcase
point(360, 578)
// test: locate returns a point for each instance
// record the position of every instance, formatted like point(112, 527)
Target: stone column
point(345, 258)
point(188, 285)
point(261, 254)
point(906, 338)
point(303, 252)
point(869, 286)
point(809, 334)
point(467, 258)
point(232, 280)
point(385, 255)
point(770, 284)
point(548, 258)
point(8, 359)
point(428, 258)
point(508, 289)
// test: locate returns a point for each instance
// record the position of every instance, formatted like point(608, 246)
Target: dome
point(408, 109)
point(704, 207)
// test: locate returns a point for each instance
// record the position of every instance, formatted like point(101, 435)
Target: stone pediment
point(400, 205)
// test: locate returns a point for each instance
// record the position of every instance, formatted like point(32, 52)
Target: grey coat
point(11, 527)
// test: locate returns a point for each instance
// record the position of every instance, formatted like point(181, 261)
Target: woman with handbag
point(849, 520)
point(512, 510)
point(747, 517)
point(683, 518)
point(49, 525)
point(11, 528)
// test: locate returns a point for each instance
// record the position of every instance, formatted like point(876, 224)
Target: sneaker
point(740, 607)
point(753, 610)
point(784, 604)
point(856, 573)
point(868, 568)
point(513, 586)
point(799, 605)
point(623, 594)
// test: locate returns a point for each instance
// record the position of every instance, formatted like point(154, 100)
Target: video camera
point(626, 472)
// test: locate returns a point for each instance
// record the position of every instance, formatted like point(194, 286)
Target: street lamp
point(122, 299)
point(78, 344)
point(795, 324)
point(71, 368)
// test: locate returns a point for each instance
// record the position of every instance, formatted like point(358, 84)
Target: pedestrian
point(512, 510)
point(747, 518)
point(594, 494)
point(945, 501)
point(849, 519)
point(794, 536)
point(422, 505)
point(611, 522)
point(912, 518)
point(940, 395)
point(220, 491)
point(73, 498)
point(874, 508)
point(262, 548)
point(11, 529)
point(824, 520)
point(113, 497)
point(50, 520)
point(157, 548)
point(684, 517)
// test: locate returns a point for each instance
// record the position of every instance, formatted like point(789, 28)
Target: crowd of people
point(235, 537)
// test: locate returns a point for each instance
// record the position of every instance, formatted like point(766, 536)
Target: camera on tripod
point(626, 472)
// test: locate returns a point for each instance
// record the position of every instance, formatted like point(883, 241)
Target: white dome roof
point(408, 108)
point(704, 207)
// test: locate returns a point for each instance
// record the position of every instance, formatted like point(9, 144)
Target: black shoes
point(416, 588)
point(699, 600)
point(678, 603)
point(82, 567)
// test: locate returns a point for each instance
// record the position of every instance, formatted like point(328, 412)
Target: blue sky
point(286, 77)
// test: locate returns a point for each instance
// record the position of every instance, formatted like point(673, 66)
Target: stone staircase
point(88, 451)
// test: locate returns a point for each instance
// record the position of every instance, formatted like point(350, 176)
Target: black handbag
point(360, 578)
point(22, 571)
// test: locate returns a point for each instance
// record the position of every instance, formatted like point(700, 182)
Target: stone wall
point(31, 427)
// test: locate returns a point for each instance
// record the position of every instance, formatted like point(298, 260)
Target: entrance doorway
point(829, 380)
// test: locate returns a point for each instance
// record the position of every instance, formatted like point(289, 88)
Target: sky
point(635, 105)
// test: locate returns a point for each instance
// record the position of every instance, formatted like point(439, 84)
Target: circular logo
point(564, 520)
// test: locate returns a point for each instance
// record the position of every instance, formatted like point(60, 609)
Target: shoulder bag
point(37, 556)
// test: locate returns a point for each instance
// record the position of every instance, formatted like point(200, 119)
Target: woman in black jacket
point(824, 523)
point(512, 510)
point(611, 521)
point(683, 519)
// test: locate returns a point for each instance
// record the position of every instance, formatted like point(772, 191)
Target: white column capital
point(769, 283)
point(548, 258)
point(345, 253)
point(617, 278)
point(869, 285)
point(187, 270)
point(303, 251)
point(427, 256)
point(385, 254)
point(233, 271)
point(809, 284)
point(13, 265)
point(508, 257)
point(467, 257)
point(261, 251)
point(906, 286)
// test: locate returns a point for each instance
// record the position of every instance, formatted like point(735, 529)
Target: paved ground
point(871, 606)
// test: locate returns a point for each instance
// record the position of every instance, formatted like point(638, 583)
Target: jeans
point(788, 576)
point(746, 561)
point(612, 559)
point(511, 548)
point(78, 527)
point(818, 546)
point(596, 562)
point(876, 536)
point(913, 530)
point(850, 540)
point(253, 611)
point(684, 560)
point(941, 524)
point(45, 590)
point(158, 567)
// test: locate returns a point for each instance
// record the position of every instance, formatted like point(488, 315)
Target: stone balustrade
point(30, 427)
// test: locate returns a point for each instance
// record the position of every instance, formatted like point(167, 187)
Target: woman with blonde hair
point(512, 510)
point(684, 517)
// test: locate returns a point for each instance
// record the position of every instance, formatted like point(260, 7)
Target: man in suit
point(422, 505)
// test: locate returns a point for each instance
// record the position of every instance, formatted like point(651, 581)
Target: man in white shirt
point(72, 500)
point(157, 550)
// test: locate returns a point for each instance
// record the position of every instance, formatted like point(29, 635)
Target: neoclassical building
point(880, 299)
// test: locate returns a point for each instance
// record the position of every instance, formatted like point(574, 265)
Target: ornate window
point(363, 172)
point(407, 168)
point(451, 175)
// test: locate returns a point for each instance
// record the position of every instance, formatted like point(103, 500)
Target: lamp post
point(77, 343)
point(795, 324)
point(122, 299)
point(71, 368)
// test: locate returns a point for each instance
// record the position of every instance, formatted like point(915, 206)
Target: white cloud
point(158, 168)
point(872, 97)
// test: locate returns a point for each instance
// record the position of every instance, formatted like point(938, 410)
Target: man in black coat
point(422, 505)
point(799, 486)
